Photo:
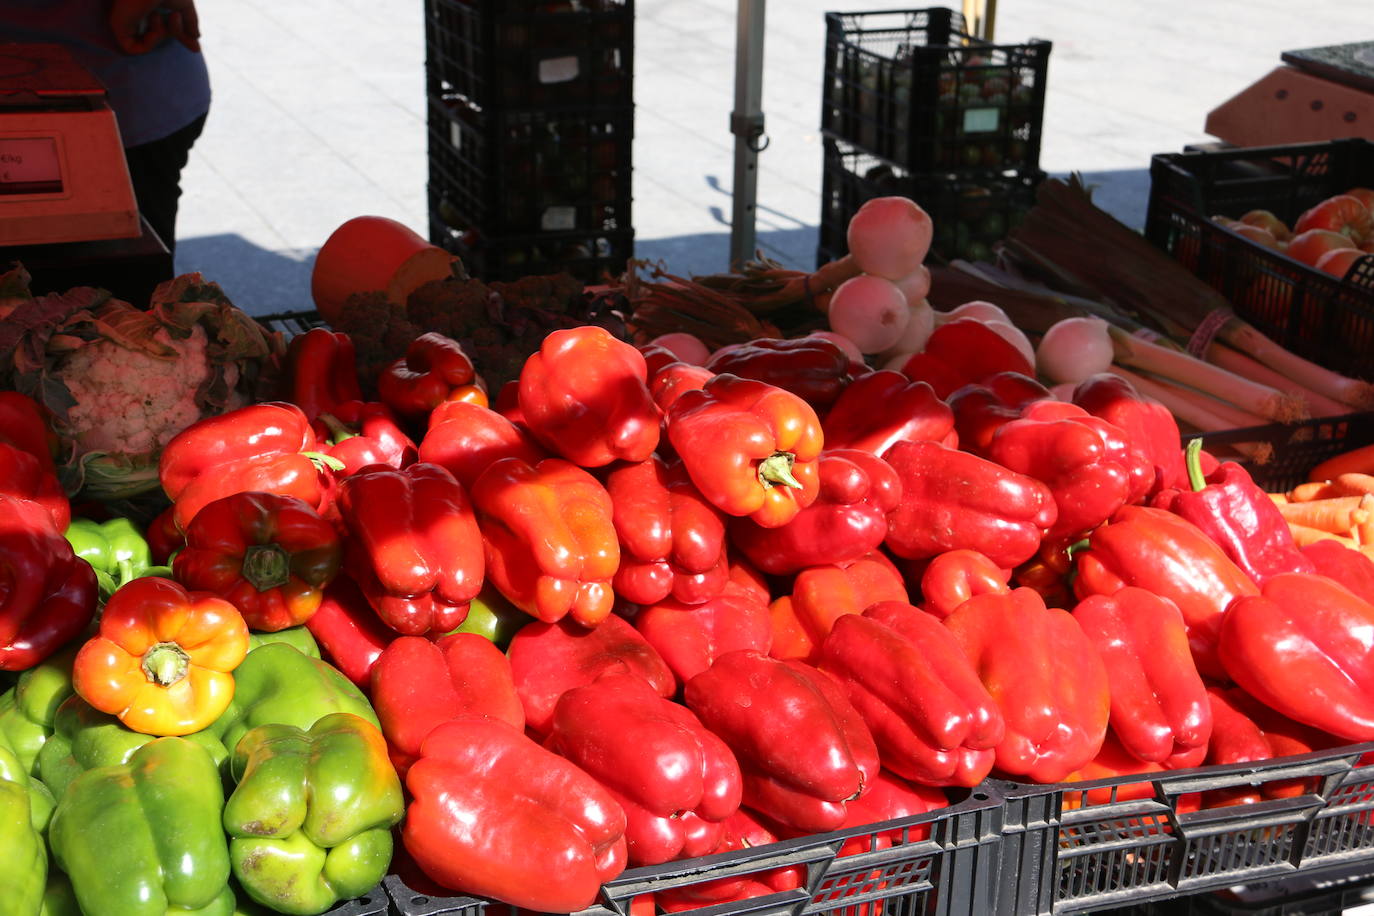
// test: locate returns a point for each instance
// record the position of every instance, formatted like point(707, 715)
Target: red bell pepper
point(1350, 567)
point(1170, 556)
point(350, 634)
point(360, 433)
point(466, 439)
point(750, 448)
point(1305, 647)
point(963, 351)
point(26, 465)
point(953, 499)
point(585, 397)
point(933, 720)
point(981, 409)
point(888, 799)
point(435, 369)
point(674, 778)
point(550, 543)
point(822, 594)
point(268, 447)
point(691, 637)
point(746, 576)
point(1231, 509)
point(415, 548)
point(667, 383)
point(418, 685)
point(802, 746)
point(1049, 681)
point(1113, 761)
point(672, 541)
point(164, 537)
point(1247, 730)
point(1149, 426)
point(882, 408)
point(549, 659)
point(1159, 706)
point(47, 593)
point(743, 830)
point(858, 490)
point(270, 556)
point(497, 816)
point(813, 368)
point(955, 576)
point(322, 371)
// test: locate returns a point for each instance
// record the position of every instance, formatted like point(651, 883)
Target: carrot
point(1343, 485)
point(1279, 499)
point(1338, 515)
point(1303, 535)
point(1356, 460)
point(1364, 531)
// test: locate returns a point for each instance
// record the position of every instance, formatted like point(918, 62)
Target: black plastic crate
point(531, 54)
point(941, 863)
point(523, 173)
point(291, 323)
point(1324, 318)
point(969, 214)
point(588, 256)
point(1287, 451)
point(915, 88)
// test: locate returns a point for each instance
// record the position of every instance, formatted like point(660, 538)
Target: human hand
point(142, 25)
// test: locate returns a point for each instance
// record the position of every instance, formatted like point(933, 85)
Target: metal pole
point(746, 123)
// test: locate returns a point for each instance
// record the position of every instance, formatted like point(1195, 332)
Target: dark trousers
point(155, 169)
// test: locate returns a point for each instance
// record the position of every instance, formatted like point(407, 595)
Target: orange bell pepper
point(163, 658)
point(823, 594)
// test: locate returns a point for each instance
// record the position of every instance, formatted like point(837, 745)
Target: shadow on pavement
point(257, 280)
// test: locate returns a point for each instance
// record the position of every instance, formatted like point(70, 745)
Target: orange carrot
point(1356, 460)
point(1338, 515)
point(1303, 535)
point(1278, 499)
point(1343, 485)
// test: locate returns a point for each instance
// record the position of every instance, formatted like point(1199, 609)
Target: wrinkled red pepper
point(858, 490)
point(672, 540)
point(823, 594)
point(466, 439)
point(955, 576)
point(47, 593)
point(26, 464)
point(882, 408)
point(690, 637)
point(322, 371)
point(1150, 427)
point(981, 409)
point(350, 634)
point(952, 499)
point(359, 433)
point(415, 548)
point(435, 369)
point(813, 368)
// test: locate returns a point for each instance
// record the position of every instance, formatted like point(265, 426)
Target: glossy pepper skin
point(1346, 565)
point(348, 631)
point(116, 550)
point(164, 537)
point(50, 595)
point(952, 499)
point(982, 408)
point(362, 433)
point(1311, 631)
point(955, 576)
point(163, 659)
point(159, 847)
point(465, 439)
point(418, 685)
point(1149, 426)
point(1236, 513)
point(858, 491)
point(25, 808)
point(933, 720)
point(1170, 556)
point(268, 446)
point(1247, 730)
point(322, 371)
point(415, 547)
point(548, 659)
point(496, 815)
point(309, 820)
point(1049, 681)
point(822, 595)
point(751, 448)
point(690, 637)
point(879, 409)
point(434, 369)
point(813, 368)
point(672, 541)
point(28, 710)
point(27, 470)
point(585, 397)
point(268, 555)
point(1159, 707)
point(657, 760)
point(549, 538)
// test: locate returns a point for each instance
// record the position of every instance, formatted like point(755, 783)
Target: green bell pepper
point(493, 617)
point(28, 709)
point(277, 684)
point(59, 898)
point(143, 838)
point(310, 820)
point(116, 550)
point(23, 815)
point(298, 637)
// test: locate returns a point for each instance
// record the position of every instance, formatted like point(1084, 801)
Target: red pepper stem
point(337, 431)
point(777, 469)
point(266, 566)
point(165, 664)
point(1192, 460)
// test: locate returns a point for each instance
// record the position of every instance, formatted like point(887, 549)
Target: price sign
point(29, 165)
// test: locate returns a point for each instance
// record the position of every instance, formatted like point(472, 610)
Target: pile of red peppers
point(629, 610)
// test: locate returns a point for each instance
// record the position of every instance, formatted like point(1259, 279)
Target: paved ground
point(319, 115)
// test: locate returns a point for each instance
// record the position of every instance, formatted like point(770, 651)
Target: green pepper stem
point(777, 469)
point(337, 431)
point(328, 461)
point(165, 664)
point(1192, 460)
point(266, 566)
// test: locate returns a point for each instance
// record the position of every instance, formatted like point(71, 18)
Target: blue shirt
point(152, 95)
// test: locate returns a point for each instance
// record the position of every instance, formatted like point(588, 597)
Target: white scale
point(63, 177)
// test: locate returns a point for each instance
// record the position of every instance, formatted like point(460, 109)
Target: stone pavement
point(319, 115)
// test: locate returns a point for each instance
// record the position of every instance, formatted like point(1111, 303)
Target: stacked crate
point(914, 105)
point(531, 118)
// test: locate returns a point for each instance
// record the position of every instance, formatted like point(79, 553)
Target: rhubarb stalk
point(1246, 338)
